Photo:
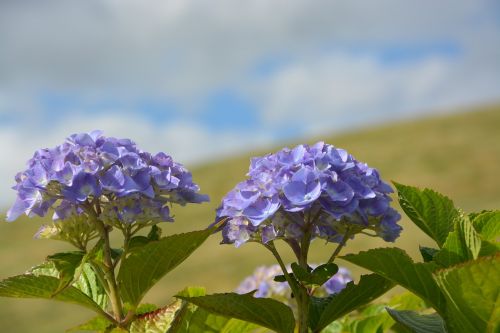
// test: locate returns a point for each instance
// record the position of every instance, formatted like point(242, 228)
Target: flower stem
point(339, 247)
point(109, 273)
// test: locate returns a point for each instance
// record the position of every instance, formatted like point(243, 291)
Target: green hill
point(457, 154)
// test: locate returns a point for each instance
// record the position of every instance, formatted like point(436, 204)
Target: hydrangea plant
point(94, 184)
point(308, 192)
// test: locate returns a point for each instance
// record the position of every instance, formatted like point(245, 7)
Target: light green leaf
point(90, 285)
point(432, 212)
point(487, 224)
point(352, 297)
point(394, 264)
point(261, 311)
point(418, 323)
point(473, 294)
point(87, 281)
point(98, 324)
point(461, 245)
point(157, 321)
point(32, 286)
point(142, 268)
point(66, 264)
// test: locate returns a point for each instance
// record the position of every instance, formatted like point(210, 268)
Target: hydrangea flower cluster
point(319, 187)
point(122, 184)
point(262, 280)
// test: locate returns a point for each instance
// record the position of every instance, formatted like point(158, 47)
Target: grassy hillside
point(458, 155)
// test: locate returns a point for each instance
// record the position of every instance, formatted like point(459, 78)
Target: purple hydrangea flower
point(318, 188)
point(123, 183)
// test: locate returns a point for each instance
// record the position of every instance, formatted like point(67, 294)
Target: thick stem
point(303, 309)
point(109, 273)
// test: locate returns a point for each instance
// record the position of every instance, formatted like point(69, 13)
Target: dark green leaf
point(472, 291)
point(427, 253)
point(280, 278)
point(432, 212)
point(66, 264)
point(352, 297)
point(323, 273)
point(461, 245)
point(137, 242)
point(316, 277)
point(155, 233)
point(32, 286)
point(418, 323)
point(261, 311)
point(395, 265)
point(141, 269)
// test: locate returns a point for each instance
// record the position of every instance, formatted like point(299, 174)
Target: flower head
point(109, 177)
point(318, 188)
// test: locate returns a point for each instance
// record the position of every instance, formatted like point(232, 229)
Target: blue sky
point(204, 79)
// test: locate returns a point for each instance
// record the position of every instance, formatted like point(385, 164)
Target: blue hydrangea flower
point(318, 188)
point(114, 178)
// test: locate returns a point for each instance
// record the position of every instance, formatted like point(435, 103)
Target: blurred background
point(410, 87)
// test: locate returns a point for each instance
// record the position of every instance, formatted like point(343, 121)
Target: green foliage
point(350, 298)
point(157, 321)
point(261, 311)
point(98, 324)
point(418, 323)
point(315, 277)
point(395, 265)
point(461, 245)
point(142, 268)
point(487, 224)
point(66, 264)
point(472, 292)
point(32, 286)
point(432, 212)
point(427, 253)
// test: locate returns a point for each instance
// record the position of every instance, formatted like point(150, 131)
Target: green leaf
point(352, 297)
point(461, 245)
point(418, 323)
point(141, 269)
point(193, 319)
point(66, 264)
point(473, 294)
point(261, 311)
point(394, 264)
point(32, 286)
point(155, 233)
point(428, 253)
point(99, 324)
point(90, 285)
point(432, 212)
point(487, 224)
point(137, 242)
point(157, 321)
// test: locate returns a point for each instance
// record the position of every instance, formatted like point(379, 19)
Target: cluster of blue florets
point(119, 182)
point(319, 187)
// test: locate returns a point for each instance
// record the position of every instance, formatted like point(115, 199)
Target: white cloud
point(181, 51)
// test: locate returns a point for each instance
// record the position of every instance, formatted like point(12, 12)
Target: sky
point(205, 79)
